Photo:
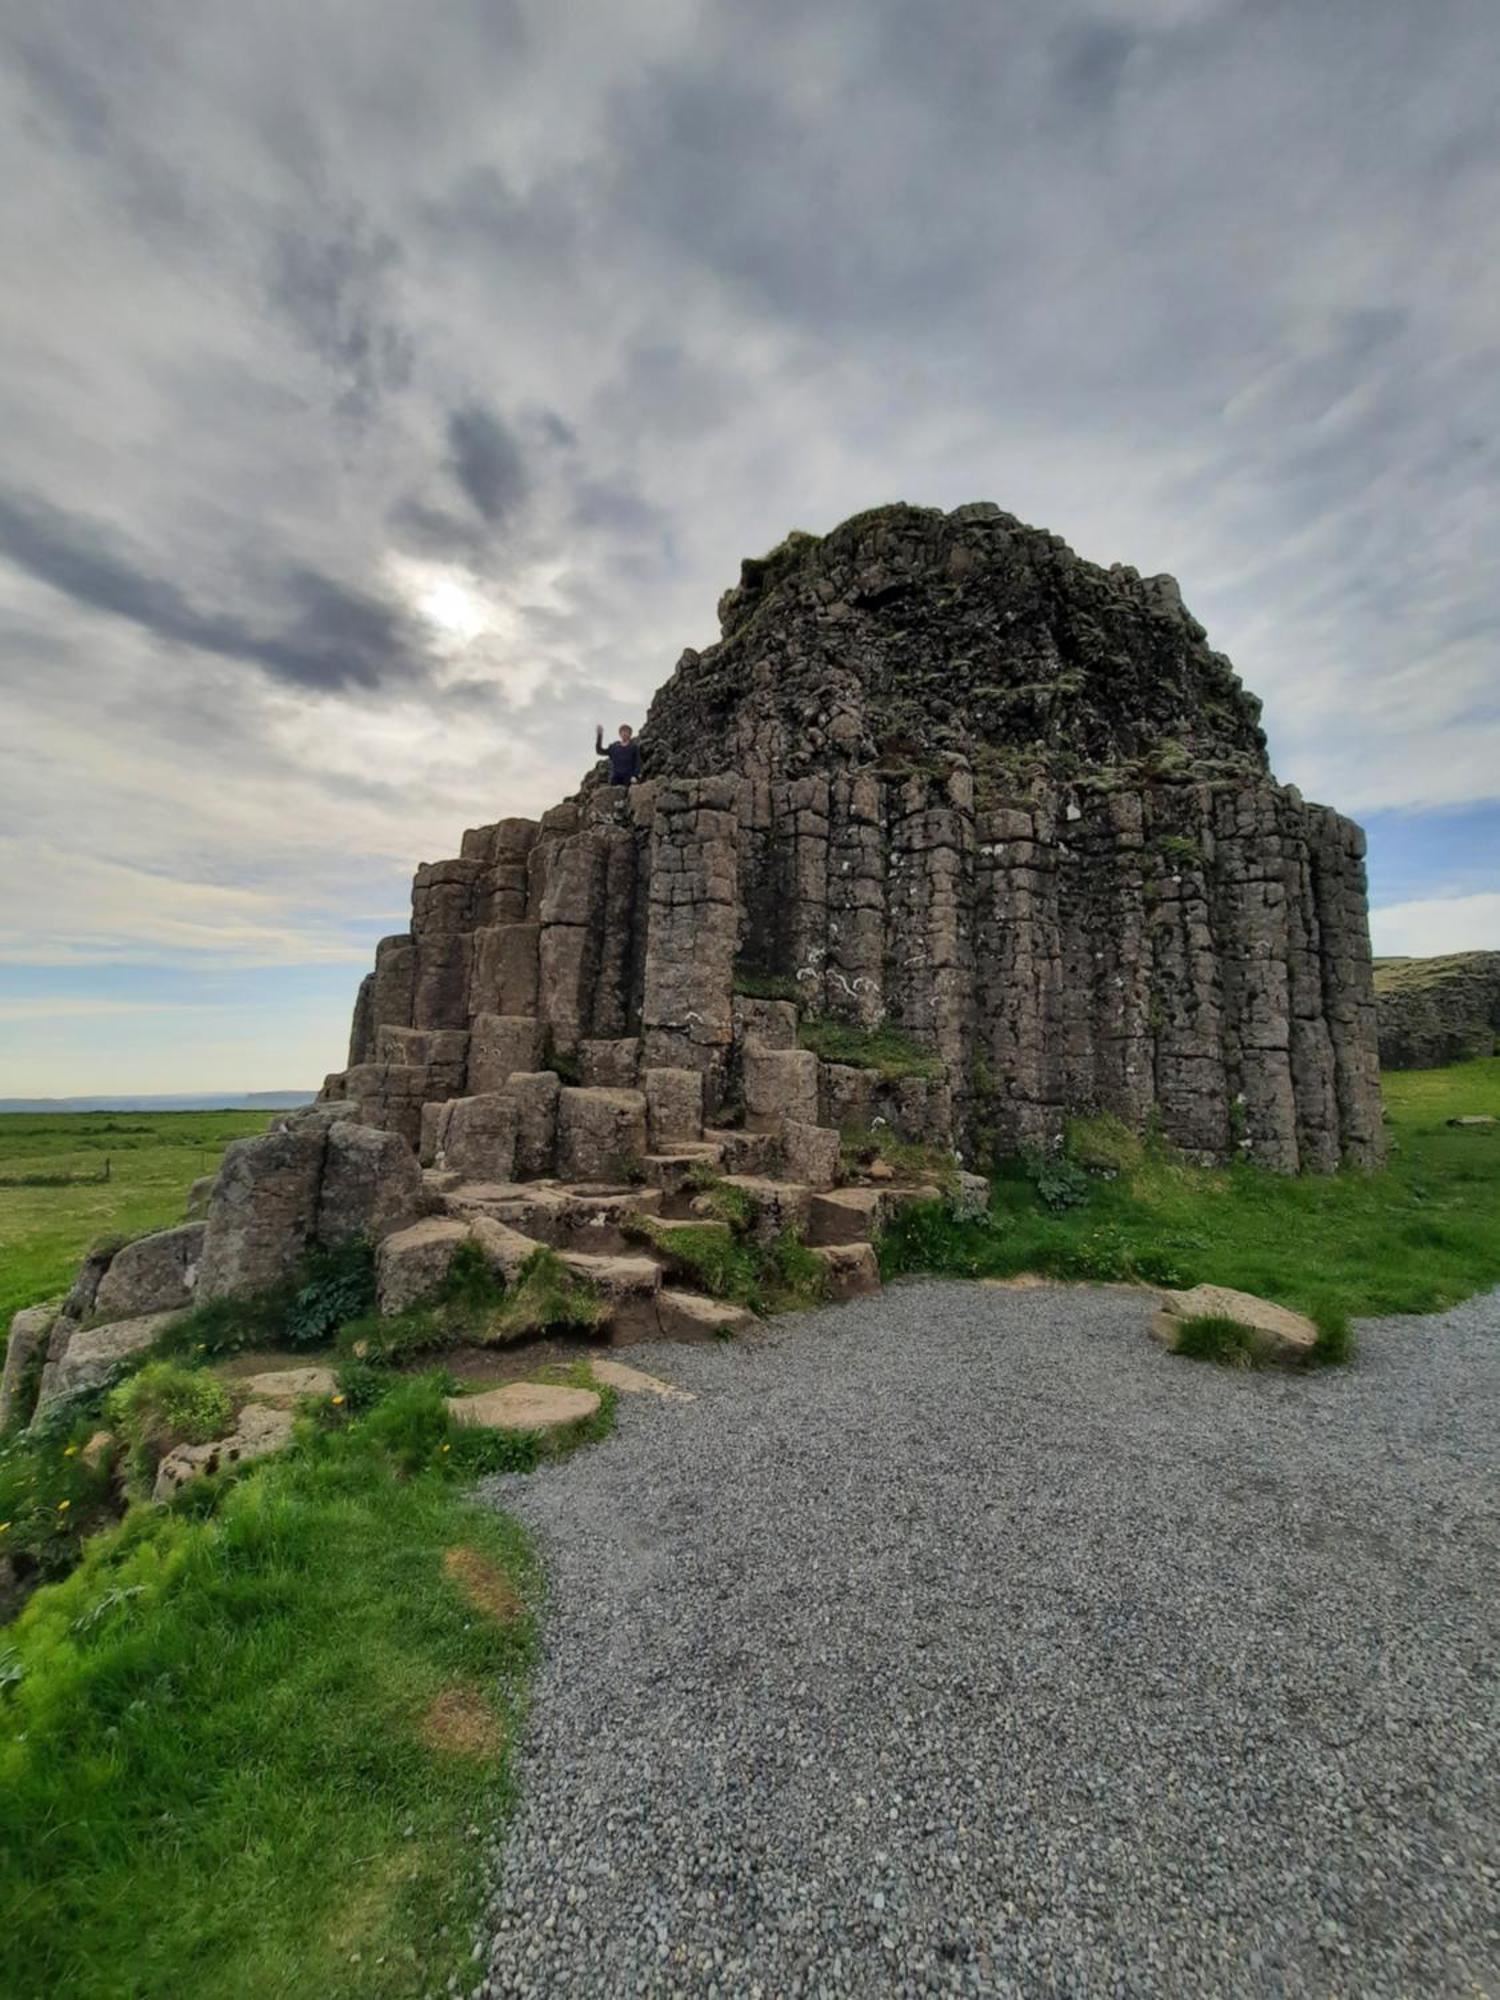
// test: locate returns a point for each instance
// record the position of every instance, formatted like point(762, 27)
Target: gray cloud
point(335, 637)
point(388, 390)
point(486, 461)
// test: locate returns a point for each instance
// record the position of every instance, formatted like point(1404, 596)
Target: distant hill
point(222, 1100)
point(1431, 1011)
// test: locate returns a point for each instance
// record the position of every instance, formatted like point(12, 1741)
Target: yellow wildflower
point(337, 1400)
point(70, 1450)
point(447, 1447)
point(63, 1506)
point(3, 1526)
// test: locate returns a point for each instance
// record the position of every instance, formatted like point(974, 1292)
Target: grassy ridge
point(154, 1157)
point(1420, 1235)
point(242, 1745)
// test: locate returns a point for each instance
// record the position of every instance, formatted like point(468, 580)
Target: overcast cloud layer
point(389, 391)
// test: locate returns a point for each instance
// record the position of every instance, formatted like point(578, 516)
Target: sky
point(389, 391)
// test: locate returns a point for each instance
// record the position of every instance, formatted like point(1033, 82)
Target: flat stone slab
point(260, 1431)
point(1472, 1121)
point(636, 1382)
point(1291, 1334)
point(523, 1406)
point(286, 1386)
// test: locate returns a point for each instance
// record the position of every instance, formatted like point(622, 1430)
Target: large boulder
point(29, 1331)
point(262, 1217)
point(371, 1185)
point(476, 1137)
point(154, 1274)
point(411, 1265)
point(81, 1358)
point(780, 1084)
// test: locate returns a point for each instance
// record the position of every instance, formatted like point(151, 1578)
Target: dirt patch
point(461, 1723)
point(485, 1584)
point(488, 1367)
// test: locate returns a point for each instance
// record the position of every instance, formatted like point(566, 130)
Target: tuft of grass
point(715, 1260)
point(1209, 1337)
point(1103, 1144)
point(908, 1159)
point(546, 1297)
point(752, 984)
point(885, 1050)
point(162, 1406)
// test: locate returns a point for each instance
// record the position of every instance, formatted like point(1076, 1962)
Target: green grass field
point(1420, 1235)
point(154, 1158)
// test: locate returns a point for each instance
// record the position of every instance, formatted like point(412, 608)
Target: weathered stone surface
point(286, 1387)
point(810, 1153)
point(850, 1269)
point(198, 1197)
point(261, 1429)
point(601, 1134)
point(477, 1137)
point(776, 1205)
point(969, 1200)
point(780, 1084)
point(503, 979)
point(371, 1184)
point(536, 1098)
point(502, 1046)
point(1291, 1335)
point(691, 1316)
point(524, 1406)
point(629, 1288)
point(635, 1381)
point(674, 1107)
point(845, 1215)
point(263, 1214)
point(29, 1332)
point(1432, 1011)
point(86, 1357)
point(411, 1264)
point(771, 1023)
point(506, 1250)
point(1473, 1121)
point(610, 1065)
point(153, 1274)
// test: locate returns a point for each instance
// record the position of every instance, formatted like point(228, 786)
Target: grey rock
point(153, 1274)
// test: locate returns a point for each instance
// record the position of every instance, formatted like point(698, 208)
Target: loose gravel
point(961, 1641)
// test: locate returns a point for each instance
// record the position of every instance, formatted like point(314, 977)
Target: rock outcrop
point(1431, 1011)
point(951, 834)
point(938, 777)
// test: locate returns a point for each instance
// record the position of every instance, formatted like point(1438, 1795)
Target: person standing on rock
point(624, 756)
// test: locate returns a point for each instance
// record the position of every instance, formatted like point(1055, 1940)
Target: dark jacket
point(624, 762)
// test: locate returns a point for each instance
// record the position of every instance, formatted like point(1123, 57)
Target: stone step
point(776, 1205)
point(671, 1171)
point(744, 1152)
point(852, 1270)
point(629, 1285)
point(693, 1316)
point(568, 1216)
point(857, 1214)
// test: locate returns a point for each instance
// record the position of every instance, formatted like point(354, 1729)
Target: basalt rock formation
point(951, 835)
point(938, 776)
point(1437, 1010)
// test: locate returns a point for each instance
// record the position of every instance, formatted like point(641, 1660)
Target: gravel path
point(961, 1641)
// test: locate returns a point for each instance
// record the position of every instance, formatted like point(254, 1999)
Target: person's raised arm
point(598, 739)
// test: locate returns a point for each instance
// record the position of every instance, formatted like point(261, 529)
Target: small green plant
point(1179, 849)
point(546, 1298)
point(886, 1049)
point(713, 1258)
point(1060, 1182)
point(720, 1202)
point(1334, 1346)
point(794, 1278)
point(337, 1286)
point(753, 984)
point(910, 1159)
point(162, 1406)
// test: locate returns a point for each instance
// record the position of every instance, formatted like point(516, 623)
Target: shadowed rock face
point(1437, 1010)
point(943, 778)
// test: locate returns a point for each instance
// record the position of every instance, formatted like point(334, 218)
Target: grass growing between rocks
point(1416, 1237)
point(241, 1746)
point(881, 1049)
point(154, 1159)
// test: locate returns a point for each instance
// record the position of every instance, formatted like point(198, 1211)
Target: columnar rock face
point(1437, 1010)
point(939, 776)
